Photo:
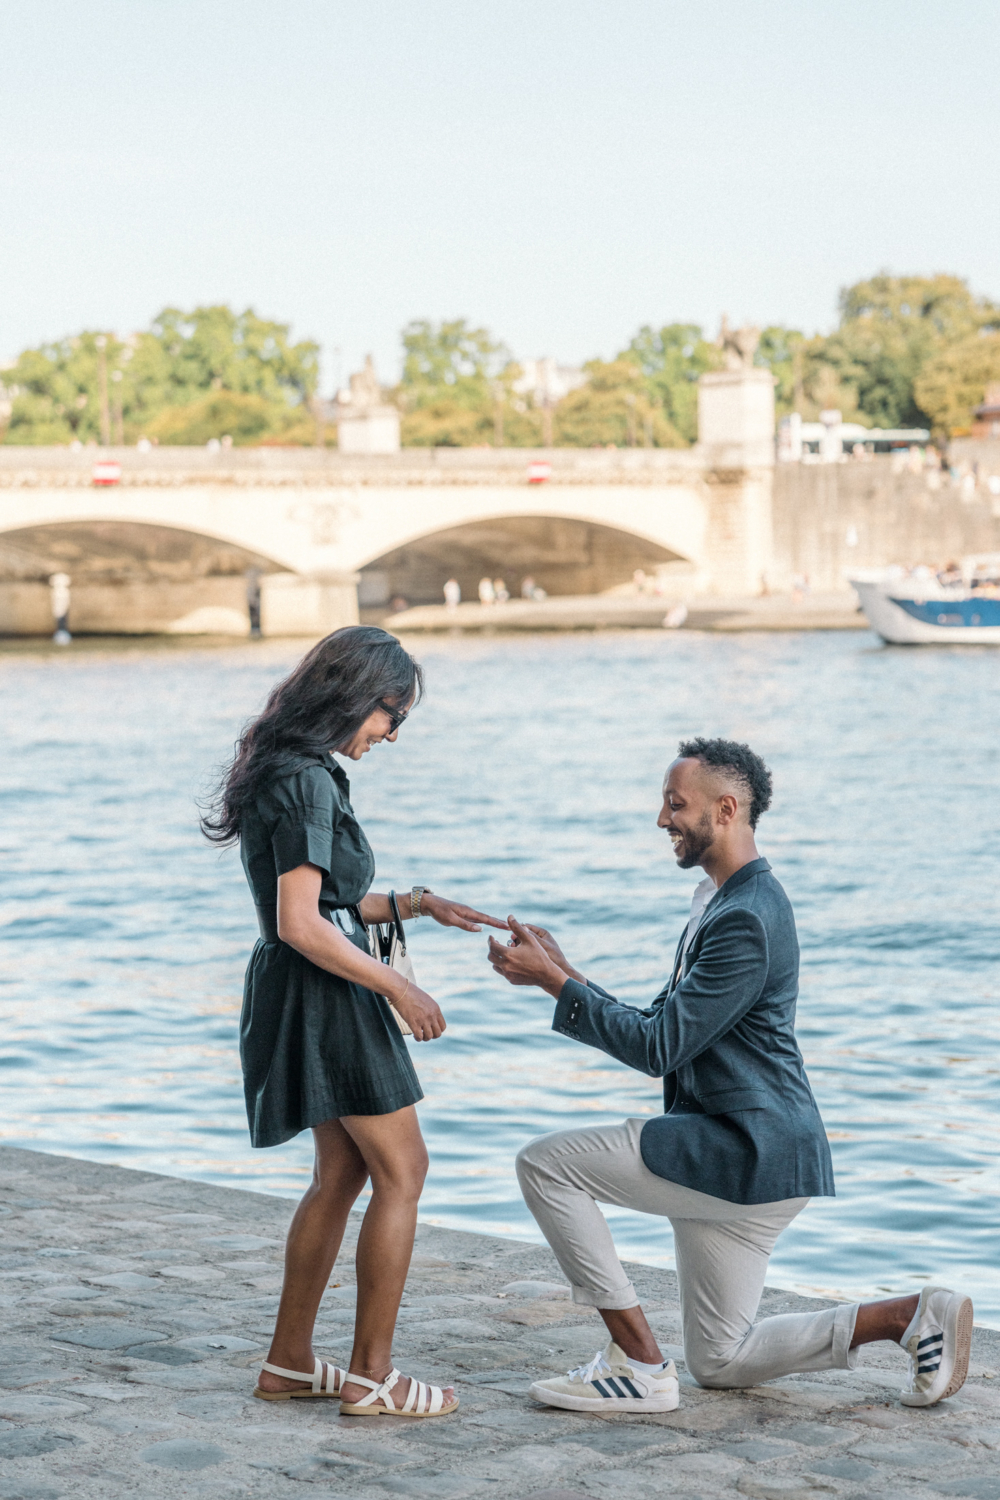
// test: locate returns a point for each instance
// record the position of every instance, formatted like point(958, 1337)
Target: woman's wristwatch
point(416, 896)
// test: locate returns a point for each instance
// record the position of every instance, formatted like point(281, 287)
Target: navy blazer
point(740, 1121)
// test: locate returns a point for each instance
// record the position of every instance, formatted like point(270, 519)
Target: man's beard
point(697, 842)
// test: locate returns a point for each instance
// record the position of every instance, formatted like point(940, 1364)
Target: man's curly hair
point(740, 762)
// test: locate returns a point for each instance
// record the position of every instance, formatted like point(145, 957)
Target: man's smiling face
point(688, 811)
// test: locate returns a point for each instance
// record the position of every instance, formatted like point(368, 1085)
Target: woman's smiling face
point(380, 725)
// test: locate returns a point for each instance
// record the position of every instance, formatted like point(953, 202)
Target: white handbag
point(388, 944)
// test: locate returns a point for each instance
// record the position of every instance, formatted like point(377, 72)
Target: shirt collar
point(337, 771)
point(702, 894)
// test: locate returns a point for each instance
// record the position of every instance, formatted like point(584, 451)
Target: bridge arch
point(113, 550)
point(131, 577)
point(564, 554)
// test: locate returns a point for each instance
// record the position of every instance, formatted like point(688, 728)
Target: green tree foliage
point(244, 418)
point(891, 329)
point(954, 382)
point(446, 423)
point(614, 407)
point(782, 351)
point(908, 351)
point(56, 389)
point(672, 358)
point(451, 356)
point(214, 349)
point(154, 376)
point(448, 391)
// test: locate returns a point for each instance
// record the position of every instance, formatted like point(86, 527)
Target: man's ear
point(728, 808)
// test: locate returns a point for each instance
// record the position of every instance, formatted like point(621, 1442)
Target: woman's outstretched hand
point(524, 960)
point(453, 914)
point(421, 1013)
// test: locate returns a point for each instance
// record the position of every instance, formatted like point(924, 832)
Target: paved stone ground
point(136, 1309)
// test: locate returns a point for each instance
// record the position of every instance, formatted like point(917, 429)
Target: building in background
point(829, 440)
point(545, 382)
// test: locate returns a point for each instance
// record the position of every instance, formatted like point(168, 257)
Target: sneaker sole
point(669, 1401)
point(963, 1348)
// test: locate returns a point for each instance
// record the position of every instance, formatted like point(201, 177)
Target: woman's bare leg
point(394, 1153)
point(314, 1238)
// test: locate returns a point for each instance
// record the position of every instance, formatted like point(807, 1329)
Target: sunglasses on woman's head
point(396, 715)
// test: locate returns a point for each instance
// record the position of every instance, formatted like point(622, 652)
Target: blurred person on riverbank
point(321, 1034)
point(452, 593)
point(740, 1147)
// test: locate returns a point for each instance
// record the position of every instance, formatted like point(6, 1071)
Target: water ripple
point(528, 779)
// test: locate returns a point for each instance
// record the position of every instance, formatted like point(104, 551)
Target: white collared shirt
point(703, 893)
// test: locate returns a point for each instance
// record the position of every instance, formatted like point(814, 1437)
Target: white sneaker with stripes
point(938, 1342)
point(610, 1382)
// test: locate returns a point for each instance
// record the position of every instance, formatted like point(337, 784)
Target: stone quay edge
point(137, 1308)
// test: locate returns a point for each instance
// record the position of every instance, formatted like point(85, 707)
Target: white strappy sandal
point(326, 1381)
point(411, 1407)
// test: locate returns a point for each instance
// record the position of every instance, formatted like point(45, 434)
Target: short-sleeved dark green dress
point(313, 1046)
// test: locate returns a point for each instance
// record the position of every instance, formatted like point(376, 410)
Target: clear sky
point(559, 170)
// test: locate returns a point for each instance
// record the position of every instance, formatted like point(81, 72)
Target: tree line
point(907, 351)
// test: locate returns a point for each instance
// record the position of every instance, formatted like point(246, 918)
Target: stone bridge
point(168, 545)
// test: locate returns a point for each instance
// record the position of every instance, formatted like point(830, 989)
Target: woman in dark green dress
point(321, 1047)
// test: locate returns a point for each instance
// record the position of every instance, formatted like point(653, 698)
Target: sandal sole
point(295, 1395)
point(348, 1409)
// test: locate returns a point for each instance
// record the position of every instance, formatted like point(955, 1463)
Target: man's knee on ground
point(717, 1368)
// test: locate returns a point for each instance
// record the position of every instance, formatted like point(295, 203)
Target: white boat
point(920, 607)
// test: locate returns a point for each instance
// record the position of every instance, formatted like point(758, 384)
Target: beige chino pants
point(722, 1251)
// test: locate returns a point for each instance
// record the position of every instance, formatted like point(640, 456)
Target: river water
point(528, 780)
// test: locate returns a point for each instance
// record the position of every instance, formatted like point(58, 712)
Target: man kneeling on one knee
point(740, 1148)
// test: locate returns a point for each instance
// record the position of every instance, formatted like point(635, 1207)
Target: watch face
point(344, 921)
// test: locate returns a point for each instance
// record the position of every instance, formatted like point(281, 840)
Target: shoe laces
point(586, 1373)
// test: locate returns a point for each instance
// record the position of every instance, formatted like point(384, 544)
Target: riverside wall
point(830, 519)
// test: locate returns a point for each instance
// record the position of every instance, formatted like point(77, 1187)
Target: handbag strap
point(397, 921)
point(375, 949)
point(382, 932)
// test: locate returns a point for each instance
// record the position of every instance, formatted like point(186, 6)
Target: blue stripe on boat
point(960, 613)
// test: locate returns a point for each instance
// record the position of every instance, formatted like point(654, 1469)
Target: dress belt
point(267, 920)
point(267, 923)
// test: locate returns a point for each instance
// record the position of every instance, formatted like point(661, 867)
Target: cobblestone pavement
point(136, 1309)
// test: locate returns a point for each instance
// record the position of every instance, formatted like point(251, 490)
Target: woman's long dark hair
point(317, 708)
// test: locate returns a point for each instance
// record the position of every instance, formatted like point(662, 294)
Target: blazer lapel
point(675, 973)
point(711, 908)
